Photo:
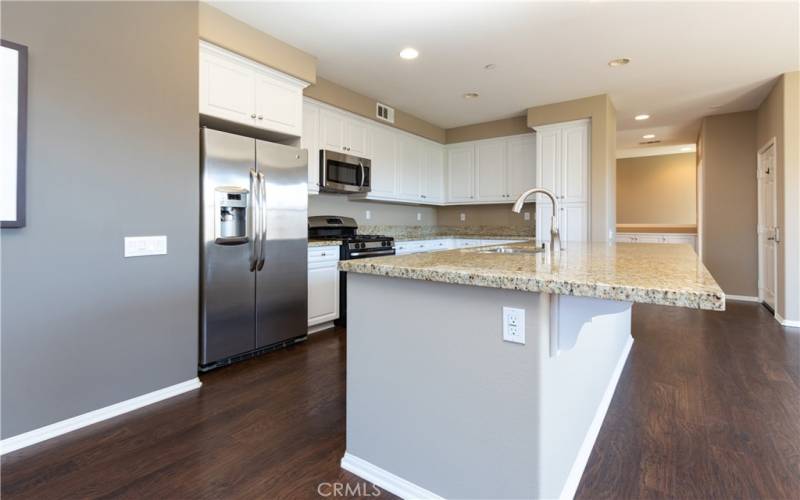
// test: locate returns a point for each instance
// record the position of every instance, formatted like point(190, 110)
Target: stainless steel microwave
point(343, 173)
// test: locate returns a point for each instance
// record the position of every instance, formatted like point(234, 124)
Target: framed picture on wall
point(13, 126)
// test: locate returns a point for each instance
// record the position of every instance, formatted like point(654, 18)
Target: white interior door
point(767, 226)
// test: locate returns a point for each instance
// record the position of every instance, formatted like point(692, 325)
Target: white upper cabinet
point(411, 159)
point(521, 170)
point(384, 163)
point(433, 174)
point(310, 141)
point(575, 149)
point(461, 173)
point(240, 90)
point(562, 160)
point(490, 170)
point(343, 133)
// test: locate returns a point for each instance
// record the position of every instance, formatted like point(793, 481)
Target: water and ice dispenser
point(230, 205)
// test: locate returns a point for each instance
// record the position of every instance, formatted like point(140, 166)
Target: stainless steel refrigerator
point(253, 249)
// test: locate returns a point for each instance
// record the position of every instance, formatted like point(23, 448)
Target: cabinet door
point(521, 171)
point(279, 106)
point(490, 168)
point(548, 160)
point(433, 174)
point(356, 140)
point(323, 292)
point(410, 156)
point(461, 173)
point(227, 89)
point(331, 131)
point(384, 163)
point(575, 150)
point(573, 222)
point(310, 141)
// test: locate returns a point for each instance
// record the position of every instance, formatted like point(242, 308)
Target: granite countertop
point(324, 243)
point(636, 272)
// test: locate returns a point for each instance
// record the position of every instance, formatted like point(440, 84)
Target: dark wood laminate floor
point(708, 406)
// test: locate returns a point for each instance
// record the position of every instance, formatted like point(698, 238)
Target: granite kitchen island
point(440, 405)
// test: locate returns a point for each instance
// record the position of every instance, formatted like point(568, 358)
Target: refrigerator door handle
point(262, 204)
point(254, 211)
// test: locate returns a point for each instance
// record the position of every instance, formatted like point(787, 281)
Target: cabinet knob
point(323, 254)
point(253, 115)
point(260, 117)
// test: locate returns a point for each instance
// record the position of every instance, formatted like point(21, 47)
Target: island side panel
point(434, 395)
point(594, 338)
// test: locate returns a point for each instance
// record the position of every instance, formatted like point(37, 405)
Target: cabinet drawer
point(467, 243)
point(323, 254)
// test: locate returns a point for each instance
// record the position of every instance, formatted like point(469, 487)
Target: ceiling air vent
point(384, 112)
point(650, 142)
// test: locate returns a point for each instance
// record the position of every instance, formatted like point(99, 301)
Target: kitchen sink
point(511, 250)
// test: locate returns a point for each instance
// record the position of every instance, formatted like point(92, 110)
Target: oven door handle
point(371, 254)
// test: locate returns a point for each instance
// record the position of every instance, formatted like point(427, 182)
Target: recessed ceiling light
point(641, 117)
point(409, 53)
point(622, 61)
point(490, 66)
point(649, 136)
point(471, 95)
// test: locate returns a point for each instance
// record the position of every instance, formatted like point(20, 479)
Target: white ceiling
point(686, 57)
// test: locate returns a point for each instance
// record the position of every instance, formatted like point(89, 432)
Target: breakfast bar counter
point(487, 372)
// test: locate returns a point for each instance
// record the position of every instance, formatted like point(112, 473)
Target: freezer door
point(282, 281)
point(227, 285)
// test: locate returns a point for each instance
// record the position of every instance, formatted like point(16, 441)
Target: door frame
point(772, 142)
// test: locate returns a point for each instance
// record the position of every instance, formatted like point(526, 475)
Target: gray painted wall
point(112, 151)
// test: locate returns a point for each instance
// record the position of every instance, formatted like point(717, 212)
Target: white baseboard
point(743, 298)
point(787, 322)
point(585, 451)
point(320, 327)
point(384, 479)
point(64, 426)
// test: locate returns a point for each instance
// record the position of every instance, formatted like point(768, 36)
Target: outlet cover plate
point(514, 325)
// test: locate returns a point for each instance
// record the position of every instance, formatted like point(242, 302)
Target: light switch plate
point(514, 325)
point(368, 215)
point(419, 216)
point(139, 246)
point(463, 216)
point(527, 216)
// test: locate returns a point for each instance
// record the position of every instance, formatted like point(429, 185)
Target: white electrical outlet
point(139, 246)
point(419, 216)
point(514, 325)
point(463, 216)
point(368, 215)
point(527, 215)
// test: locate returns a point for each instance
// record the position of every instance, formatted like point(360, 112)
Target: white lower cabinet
point(572, 221)
point(420, 246)
point(323, 284)
point(672, 238)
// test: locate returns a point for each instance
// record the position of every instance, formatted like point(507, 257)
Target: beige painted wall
point(343, 98)
point(219, 28)
point(603, 159)
point(729, 193)
point(778, 117)
point(486, 215)
point(382, 213)
point(657, 190)
point(488, 130)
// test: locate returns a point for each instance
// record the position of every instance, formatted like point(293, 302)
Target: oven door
point(340, 173)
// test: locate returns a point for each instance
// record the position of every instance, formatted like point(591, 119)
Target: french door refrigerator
point(254, 247)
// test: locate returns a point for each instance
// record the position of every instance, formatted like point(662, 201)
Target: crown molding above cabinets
point(242, 91)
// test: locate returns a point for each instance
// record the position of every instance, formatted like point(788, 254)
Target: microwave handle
point(361, 184)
